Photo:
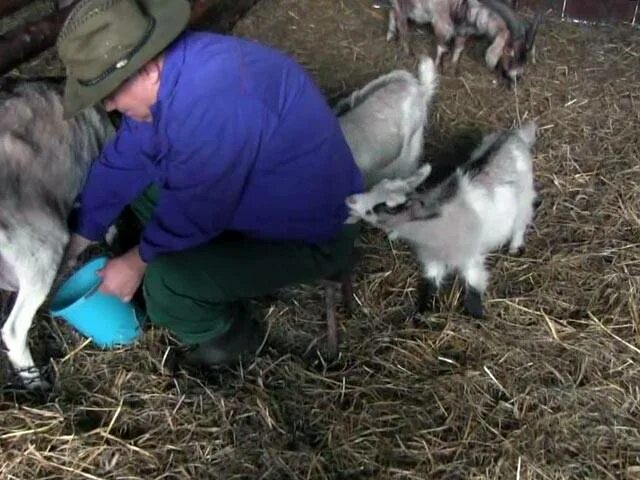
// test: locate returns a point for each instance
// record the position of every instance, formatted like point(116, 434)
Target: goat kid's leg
point(332, 323)
point(441, 50)
point(392, 29)
point(399, 27)
point(522, 221)
point(494, 52)
point(533, 54)
point(406, 164)
point(476, 278)
point(458, 46)
point(516, 245)
point(432, 278)
point(346, 288)
point(444, 33)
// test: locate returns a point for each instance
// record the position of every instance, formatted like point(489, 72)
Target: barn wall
point(601, 11)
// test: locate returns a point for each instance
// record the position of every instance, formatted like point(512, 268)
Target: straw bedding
point(547, 387)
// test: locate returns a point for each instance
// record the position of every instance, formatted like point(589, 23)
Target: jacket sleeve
point(115, 179)
point(212, 155)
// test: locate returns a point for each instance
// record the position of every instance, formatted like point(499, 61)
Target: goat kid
point(455, 20)
point(487, 202)
point(44, 160)
point(384, 122)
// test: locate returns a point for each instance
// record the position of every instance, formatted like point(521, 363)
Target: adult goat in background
point(454, 21)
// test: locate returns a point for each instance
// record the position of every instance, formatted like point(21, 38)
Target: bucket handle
point(92, 290)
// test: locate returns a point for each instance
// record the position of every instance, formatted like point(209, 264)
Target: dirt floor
point(547, 387)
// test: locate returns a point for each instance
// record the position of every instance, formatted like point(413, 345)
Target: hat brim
point(171, 17)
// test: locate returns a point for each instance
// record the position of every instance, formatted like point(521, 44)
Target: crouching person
point(227, 152)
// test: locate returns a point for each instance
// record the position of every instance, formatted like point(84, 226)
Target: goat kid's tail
point(428, 77)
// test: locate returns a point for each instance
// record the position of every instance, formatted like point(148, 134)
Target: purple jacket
point(241, 139)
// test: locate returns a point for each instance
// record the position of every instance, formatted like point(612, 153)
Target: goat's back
point(503, 158)
point(378, 119)
point(43, 157)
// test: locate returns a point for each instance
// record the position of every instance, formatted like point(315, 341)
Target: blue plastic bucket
point(105, 319)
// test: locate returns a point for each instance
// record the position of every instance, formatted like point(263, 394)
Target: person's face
point(136, 95)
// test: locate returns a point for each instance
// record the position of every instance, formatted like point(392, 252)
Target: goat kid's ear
point(420, 176)
point(425, 170)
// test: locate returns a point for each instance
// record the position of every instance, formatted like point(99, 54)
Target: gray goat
point(487, 202)
point(43, 163)
point(384, 122)
point(455, 20)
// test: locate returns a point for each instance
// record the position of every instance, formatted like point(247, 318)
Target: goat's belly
point(420, 15)
point(8, 277)
point(498, 213)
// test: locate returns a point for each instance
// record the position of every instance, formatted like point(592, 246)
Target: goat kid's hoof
point(424, 307)
point(517, 252)
point(477, 313)
point(34, 380)
point(473, 304)
point(39, 384)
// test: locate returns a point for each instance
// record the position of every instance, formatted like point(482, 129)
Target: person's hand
point(122, 275)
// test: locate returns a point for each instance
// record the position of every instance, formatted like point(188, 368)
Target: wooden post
point(27, 41)
point(10, 6)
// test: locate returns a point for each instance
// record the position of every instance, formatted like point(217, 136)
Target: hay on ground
point(547, 387)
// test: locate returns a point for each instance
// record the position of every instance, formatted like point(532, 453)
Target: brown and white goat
point(455, 20)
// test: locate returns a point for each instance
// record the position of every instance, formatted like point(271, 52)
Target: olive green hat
point(103, 42)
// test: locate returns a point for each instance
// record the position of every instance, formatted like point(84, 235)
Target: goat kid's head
point(514, 56)
point(386, 197)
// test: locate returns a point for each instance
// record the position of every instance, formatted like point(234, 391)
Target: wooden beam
point(219, 15)
point(27, 41)
point(10, 6)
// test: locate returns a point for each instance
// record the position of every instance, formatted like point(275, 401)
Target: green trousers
point(197, 293)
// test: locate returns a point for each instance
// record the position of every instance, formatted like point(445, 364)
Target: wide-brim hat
point(103, 42)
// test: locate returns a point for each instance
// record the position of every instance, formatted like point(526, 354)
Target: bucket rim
point(59, 310)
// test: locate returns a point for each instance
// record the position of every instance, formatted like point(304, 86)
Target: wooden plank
point(27, 41)
point(9, 6)
point(219, 15)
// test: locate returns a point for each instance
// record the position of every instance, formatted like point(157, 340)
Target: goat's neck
point(484, 20)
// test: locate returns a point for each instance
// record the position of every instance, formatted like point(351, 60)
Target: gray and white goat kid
point(455, 20)
point(44, 160)
point(384, 122)
point(487, 202)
